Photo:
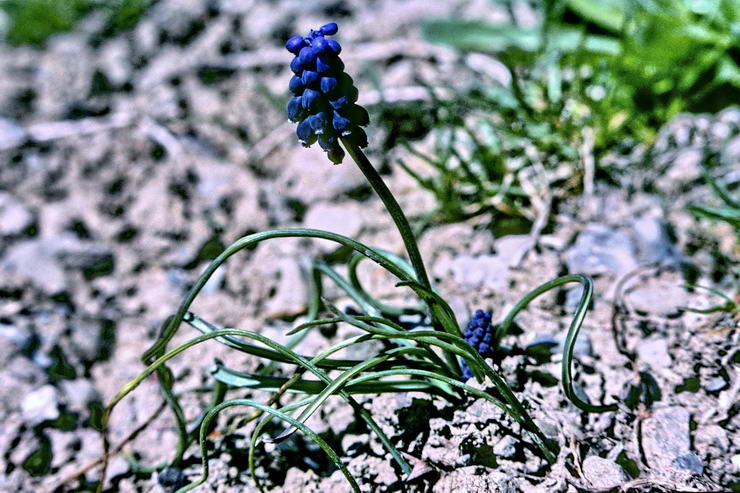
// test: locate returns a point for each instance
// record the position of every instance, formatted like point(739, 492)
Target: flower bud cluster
point(324, 96)
point(478, 334)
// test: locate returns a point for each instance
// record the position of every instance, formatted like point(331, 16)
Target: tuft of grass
point(591, 78)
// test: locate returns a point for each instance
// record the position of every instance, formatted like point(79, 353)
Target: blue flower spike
point(323, 103)
point(478, 334)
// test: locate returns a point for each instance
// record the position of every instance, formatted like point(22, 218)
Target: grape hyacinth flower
point(478, 334)
point(324, 96)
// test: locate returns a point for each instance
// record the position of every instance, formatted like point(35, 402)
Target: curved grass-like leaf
point(610, 14)
point(458, 346)
point(358, 408)
point(428, 294)
point(171, 327)
point(442, 318)
point(729, 306)
point(206, 327)
point(237, 379)
point(722, 192)
point(338, 383)
point(273, 412)
point(472, 35)
point(369, 377)
point(348, 288)
point(394, 331)
point(157, 364)
point(384, 308)
point(728, 215)
point(258, 431)
point(570, 339)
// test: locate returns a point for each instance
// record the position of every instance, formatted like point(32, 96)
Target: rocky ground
point(128, 161)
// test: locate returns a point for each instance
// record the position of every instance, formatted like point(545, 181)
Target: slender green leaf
point(273, 412)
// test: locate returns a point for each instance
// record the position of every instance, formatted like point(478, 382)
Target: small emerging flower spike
point(478, 334)
point(324, 96)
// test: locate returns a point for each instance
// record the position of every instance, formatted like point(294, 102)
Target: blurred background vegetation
point(591, 78)
point(33, 21)
point(595, 77)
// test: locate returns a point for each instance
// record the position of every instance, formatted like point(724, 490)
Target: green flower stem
point(393, 208)
point(404, 228)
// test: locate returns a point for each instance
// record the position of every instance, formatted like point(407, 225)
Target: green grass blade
point(722, 192)
point(384, 308)
point(237, 379)
point(171, 328)
point(348, 288)
point(337, 384)
point(308, 365)
point(206, 327)
point(275, 413)
point(731, 216)
point(570, 339)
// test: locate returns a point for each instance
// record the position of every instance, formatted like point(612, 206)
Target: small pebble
point(603, 473)
point(690, 462)
point(716, 384)
point(40, 405)
point(666, 438)
point(172, 479)
point(506, 447)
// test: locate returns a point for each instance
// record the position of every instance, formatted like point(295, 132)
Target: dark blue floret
point(295, 44)
point(358, 137)
point(304, 131)
point(329, 29)
point(296, 65)
point(296, 85)
point(318, 122)
point(294, 109)
point(309, 98)
point(327, 142)
point(328, 84)
point(324, 103)
point(320, 45)
point(334, 46)
point(309, 77)
point(339, 122)
point(339, 102)
point(479, 334)
point(322, 65)
point(306, 56)
point(336, 155)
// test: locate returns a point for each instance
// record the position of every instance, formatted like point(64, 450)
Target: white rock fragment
point(14, 216)
point(666, 441)
point(603, 473)
point(40, 405)
point(506, 447)
point(344, 219)
point(654, 352)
